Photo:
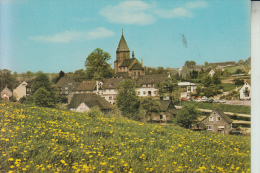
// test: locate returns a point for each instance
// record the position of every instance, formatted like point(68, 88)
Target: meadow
point(34, 139)
point(239, 109)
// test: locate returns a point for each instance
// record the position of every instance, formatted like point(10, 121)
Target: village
point(211, 83)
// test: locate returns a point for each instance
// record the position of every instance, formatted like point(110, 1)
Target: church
point(125, 66)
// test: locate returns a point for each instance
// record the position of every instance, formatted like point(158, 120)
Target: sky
point(54, 35)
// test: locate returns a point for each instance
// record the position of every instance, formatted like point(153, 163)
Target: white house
point(245, 91)
point(109, 89)
point(211, 73)
point(147, 85)
point(187, 88)
point(20, 90)
point(84, 102)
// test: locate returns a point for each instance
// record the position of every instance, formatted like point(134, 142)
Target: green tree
point(7, 79)
point(167, 87)
point(216, 79)
point(29, 75)
point(43, 98)
point(79, 75)
point(127, 99)
point(149, 104)
point(207, 81)
point(97, 67)
point(206, 63)
point(187, 115)
point(41, 81)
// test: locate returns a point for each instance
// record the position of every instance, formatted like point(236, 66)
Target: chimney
point(97, 87)
point(142, 61)
point(133, 54)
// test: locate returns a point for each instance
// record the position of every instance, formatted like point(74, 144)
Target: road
point(238, 102)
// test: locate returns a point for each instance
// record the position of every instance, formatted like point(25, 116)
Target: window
point(154, 92)
point(218, 118)
point(110, 98)
point(69, 83)
point(149, 85)
point(138, 92)
point(188, 88)
point(210, 118)
point(144, 92)
point(144, 85)
point(209, 127)
point(66, 88)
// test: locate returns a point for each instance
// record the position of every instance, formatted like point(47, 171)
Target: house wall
point(82, 108)
point(67, 87)
point(20, 91)
point(144, 92)
point(215, 125)
point(243, 94)
point(109, 95)
point(6, 93)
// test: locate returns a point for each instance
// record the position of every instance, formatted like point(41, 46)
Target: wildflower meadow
point(35, 139)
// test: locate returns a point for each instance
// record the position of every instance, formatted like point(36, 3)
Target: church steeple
point(122, 46)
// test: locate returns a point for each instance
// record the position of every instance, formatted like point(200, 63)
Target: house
point(211, 73)
point(167, 114)
point(125, 66)
point(147, 85)
point(29, 88)
point(187, 88)
point(218, 121)
point(110, 89)
point(20, 90)
point(6, 93)
point(245, 91)
point(65, 85)
point(84, 102)
point(86, 87)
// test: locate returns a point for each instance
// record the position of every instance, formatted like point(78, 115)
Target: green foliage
point(207, 81)
point(127, 100)
point(7, 79)
point(149, 104)
point(152, 70)
point(167, 87)
point(44, 98)
point(239, 81)
point(79, 75)
point(190, 63)
point(97, 67)
point(37, 139)
point(95, 111)
point(216, 79)
point(239, 71)
point(41, 81)
point(187, 115)
point(198, 90)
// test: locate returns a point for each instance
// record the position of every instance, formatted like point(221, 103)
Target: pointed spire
point(122, 46)
point(133, 54)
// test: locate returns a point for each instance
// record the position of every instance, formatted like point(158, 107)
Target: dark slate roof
point(112, 83)
point(91, 100)
point(122, 46)
point(122, 75)
point(165, 104)
point(137, 66)
point(151, 79)
point(201, 125)
point(87, 86)
point(62, 81)
point(127, 62)
point(221, 113)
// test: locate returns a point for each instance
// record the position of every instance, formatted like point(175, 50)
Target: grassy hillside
point(240, 109)
point(36, 139)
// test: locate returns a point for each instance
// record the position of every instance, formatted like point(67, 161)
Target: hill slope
point(36, 139)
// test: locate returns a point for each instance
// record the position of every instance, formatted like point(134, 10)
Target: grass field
point(224, 107)
point(230, 87)
point(36, 139)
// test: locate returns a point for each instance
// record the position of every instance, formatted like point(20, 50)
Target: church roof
point(137, 66)
point(111, 83)
point(122, 46)
point(127, 62)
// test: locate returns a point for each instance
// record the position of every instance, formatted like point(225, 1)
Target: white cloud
point(69, 36)
point(141, 13)
point(129, 12)
point(196, 4)
point(174, 13)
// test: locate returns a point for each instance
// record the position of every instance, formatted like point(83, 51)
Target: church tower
point(122, 53)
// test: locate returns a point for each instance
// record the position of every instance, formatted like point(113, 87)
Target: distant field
point(229, 86)
point(224, 107)
point(36, 139)
point(233, 69)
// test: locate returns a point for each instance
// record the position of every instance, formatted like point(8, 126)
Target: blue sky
point(50, 36)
